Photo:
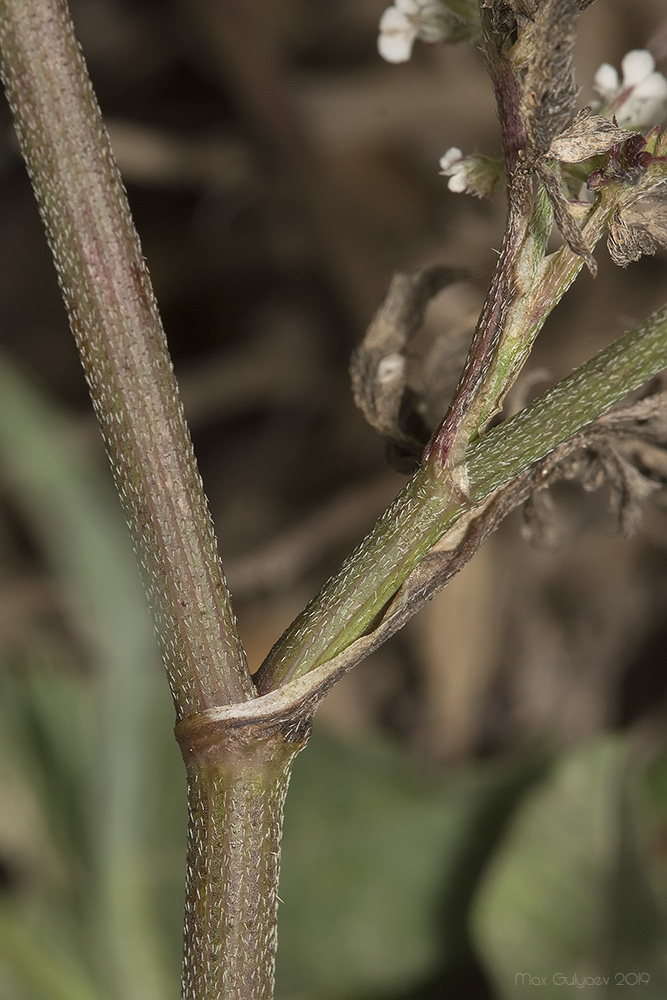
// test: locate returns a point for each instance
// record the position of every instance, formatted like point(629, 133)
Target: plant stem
point(237, 782)
point(429, 505)
point(502, 339)
point(115, 320)
point(238, 766)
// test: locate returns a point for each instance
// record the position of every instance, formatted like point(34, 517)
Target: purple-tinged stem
point(114, 317)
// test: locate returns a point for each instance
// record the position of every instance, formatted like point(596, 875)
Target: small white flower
point(606, 81)
point(398, 32)
point(453, 165)
point(407, 20)
point(472, 174)
point(640, 98)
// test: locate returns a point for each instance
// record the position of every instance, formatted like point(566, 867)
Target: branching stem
point(238, 747)
point(428, 506)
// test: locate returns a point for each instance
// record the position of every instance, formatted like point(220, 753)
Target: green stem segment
point(115, 320)
point(429, 505)
point(504, 334)
point(237, 782)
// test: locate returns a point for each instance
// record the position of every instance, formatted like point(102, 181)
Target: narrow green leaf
point(69, 508)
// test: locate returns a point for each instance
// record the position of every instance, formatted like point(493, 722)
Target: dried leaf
point(628, 243)
point(647, 415)
point(564, 220)
point(651, 214)
point(628, 488)
point(539, 523)
point(378, 367)
point(588, 135)
point(627, 501)
point(648, 218)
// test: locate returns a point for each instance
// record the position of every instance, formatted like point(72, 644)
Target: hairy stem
point(430, 504)
point(502, 339)
point(237, 782)
point(114, 317)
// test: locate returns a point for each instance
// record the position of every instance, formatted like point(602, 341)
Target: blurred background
point(484, 801)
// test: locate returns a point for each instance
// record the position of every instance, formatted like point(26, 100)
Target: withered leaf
point(378, 366)
point(588, 135)
point(569, 229)
point(539, 522)
point(650, 214)
point(639, 229)
point(628, 243)
point(628, 488)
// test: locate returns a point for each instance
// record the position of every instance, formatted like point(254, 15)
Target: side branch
point(116, 324)
point(351, 601)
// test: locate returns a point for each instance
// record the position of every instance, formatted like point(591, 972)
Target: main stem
point(237, 776)
point(237, 782)
point(112, 311)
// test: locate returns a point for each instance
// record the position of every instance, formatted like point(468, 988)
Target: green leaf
point(68, 506)
point(46, 743)
point(379, 866)
point(568, 895)
point(41, 971)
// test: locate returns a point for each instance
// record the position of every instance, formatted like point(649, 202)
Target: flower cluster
point(639, 98)
point(453, 165)
point(472, 174)
point(635, 100)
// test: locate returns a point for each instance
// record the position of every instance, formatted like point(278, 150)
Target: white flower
point(472, 174)
point(640, 98)
point(454, 166)
point(398, 31)
point(406, 21)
